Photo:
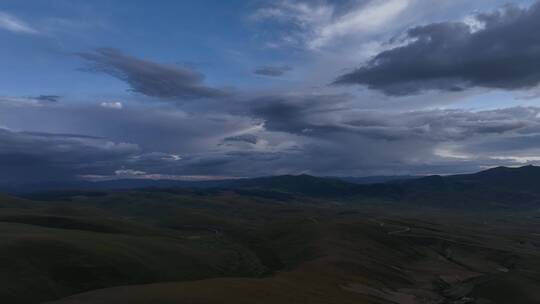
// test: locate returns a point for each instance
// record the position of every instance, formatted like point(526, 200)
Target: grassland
point(202, 246)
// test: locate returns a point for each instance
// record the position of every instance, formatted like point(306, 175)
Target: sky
point(198, 90)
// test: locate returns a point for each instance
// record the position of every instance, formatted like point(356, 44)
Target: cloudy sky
point(214, 89)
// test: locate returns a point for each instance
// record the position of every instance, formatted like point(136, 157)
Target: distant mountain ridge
point(525, 178)
point(522, 178)
point(501, 187)
point(119, 184)
point(283, 181)
point(377, 179)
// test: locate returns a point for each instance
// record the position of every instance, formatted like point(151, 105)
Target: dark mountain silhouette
point(369, 180)
point(516, 179)
point(120, 184)
point(500, 187)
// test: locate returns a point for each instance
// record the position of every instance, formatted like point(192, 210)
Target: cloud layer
point(300, 125)
point(279, 134)
point(35, 156)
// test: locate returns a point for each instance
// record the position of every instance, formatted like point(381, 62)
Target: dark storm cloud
point(272, 71)
point(155, 129)
point(31, 157)
point(450, 56)
point(150, 78)
point(168, 140)
point(297, 114)
point(34, 157)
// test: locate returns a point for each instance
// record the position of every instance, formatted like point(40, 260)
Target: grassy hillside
point(271, 244)
point(356, 258)
point(54, 251)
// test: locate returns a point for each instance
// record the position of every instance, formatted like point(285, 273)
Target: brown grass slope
point(371, 258)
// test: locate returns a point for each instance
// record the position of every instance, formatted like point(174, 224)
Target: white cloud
point(15, 25)
point(128, 172)
point(474, 24)
point(172, 157)
point(112, 105)
point(447, 152)
point(319, 24)
point(141, 175)
point(518, 159)
point(364, 20)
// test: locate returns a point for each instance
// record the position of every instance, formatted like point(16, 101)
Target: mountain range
point(500, 187)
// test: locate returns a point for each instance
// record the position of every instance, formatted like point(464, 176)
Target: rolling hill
point(294, 239)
